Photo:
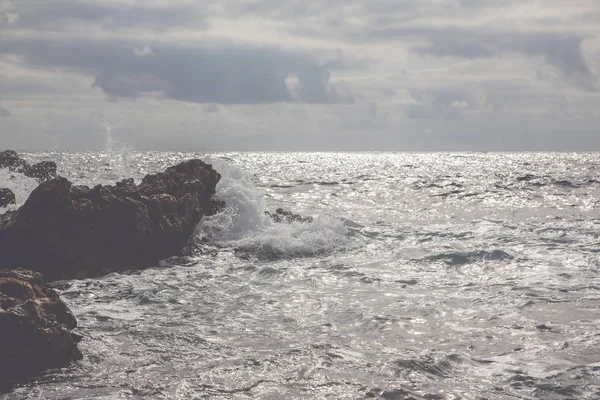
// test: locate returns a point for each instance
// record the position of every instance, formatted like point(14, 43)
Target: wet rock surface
point(7, 197)
point(41, 171)
point(67, 231)
point(284, 216)
point(11, 160)
point(36, 328)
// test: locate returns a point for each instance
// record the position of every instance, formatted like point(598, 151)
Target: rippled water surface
point(424, 276)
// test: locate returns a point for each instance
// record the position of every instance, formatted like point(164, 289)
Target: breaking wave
point(19, 184)
point(244, 227)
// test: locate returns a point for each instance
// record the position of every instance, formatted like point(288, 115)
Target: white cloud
point(8, 14)
point(144, 52)
point(460, 104)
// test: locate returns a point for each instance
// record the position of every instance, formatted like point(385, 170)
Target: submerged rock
point(281, 215)
point(7, 197)
point(36, 328)
point(41, 171)
point(67, 231)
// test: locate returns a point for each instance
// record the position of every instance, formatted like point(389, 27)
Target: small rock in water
point(544, 327)
point(281, 215)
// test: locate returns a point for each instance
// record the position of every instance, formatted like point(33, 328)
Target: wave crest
point(243, 226)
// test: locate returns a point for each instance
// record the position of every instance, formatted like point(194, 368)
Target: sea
point(427, 276)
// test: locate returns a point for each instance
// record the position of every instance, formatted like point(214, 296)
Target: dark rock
point(67, 231)
point(36, 328)
point(11, 160)
point(6, 197)
point(280, 215)
point(42, 171)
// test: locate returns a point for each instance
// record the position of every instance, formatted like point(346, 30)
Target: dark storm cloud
point(59, 14)
point(314, 88)
point(4, 112)
point(562, 50)
point(559, 49)
point(226, 74)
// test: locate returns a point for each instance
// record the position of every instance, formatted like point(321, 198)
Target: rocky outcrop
point(42, 171)
point(280, 215)
point(36, 328)
point(7, 197)
point(66, 231)
point(11, 160)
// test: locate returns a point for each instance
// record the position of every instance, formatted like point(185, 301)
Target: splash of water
point(20, 185)
point(243, 225)
point(116, 152)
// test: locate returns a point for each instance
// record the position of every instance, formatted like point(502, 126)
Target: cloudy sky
point(300, 74)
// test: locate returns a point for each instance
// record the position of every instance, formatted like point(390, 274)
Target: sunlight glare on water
point(424, 276)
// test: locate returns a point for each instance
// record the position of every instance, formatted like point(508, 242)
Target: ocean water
point(424, 276)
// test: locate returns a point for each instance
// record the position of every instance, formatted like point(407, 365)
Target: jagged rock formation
point(281, 215)
point(42, 171)
point(36, 328)
point(6, 197)
point(11, 160)
point(67, 231)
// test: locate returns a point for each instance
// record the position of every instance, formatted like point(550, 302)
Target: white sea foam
point(244, 226)
point(117, 150)
point(20, 185)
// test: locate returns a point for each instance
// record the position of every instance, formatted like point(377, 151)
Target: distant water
point(424, 276)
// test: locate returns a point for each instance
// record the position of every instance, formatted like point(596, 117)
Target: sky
point(300, 75)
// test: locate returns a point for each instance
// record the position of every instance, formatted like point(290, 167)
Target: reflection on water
point(457, 276)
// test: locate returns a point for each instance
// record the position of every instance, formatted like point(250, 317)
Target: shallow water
point(424, 276)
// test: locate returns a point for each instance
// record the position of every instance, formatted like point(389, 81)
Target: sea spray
point(116, 153)
point(20, 185)
point(243, 225)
